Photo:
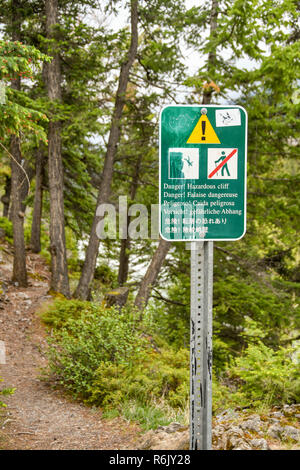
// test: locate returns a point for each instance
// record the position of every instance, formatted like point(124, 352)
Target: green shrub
point(98, 335)
point(159, 375)
point(268, 376)
point(61, 310)
point(103, 357)
point(7, 226)
point(100, 355)
point(260, 377)
point(106, 275)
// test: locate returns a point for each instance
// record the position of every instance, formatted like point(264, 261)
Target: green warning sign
point(203, 154)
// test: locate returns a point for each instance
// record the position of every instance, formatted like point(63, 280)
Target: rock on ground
point(234, 430)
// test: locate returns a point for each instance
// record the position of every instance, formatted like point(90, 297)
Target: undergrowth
point(109, 358)
point(3, 392)
point(7, 227)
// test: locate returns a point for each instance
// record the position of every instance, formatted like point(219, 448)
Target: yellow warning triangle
point(203, 133)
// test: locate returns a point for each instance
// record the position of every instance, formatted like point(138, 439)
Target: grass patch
point(149, 415)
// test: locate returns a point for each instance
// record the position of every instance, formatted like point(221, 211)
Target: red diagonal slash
point(222, 163)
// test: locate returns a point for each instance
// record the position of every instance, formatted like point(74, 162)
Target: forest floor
point(40, 418)
point(37, 417)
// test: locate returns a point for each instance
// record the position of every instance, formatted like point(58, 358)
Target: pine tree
point(59, 268)
point(17, 60)
point(83, 288)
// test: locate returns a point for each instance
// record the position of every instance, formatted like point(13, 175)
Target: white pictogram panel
point(222, 163)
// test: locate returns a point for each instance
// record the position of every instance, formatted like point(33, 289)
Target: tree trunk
point(59, 269)
point(17, 216)
point(24, 189)
point(5, 199)
point(124, 260)
point(151, 275)
point(125, 243)
point(88, 270)
point(35, 240)
point(17, 177)
point(212, 56)
point(25, 175)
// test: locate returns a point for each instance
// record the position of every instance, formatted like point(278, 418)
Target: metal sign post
point(202, 194)
point(201, 346)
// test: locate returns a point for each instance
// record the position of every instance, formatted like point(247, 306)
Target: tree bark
point(35, 240)
point(24, 189)
point(17, 215)
point(212, 56)
point(151, 275)
point(17, 177)
point(59, 269)
point(125, 243)
point(25, 175)
point(88, 270)
point(124, 259)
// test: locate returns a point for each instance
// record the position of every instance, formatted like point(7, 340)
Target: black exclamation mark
point(203, 123)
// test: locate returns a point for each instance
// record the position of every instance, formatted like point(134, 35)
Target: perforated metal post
point(201, 346)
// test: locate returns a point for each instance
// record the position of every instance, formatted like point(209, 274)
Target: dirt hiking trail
point(37, 417)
